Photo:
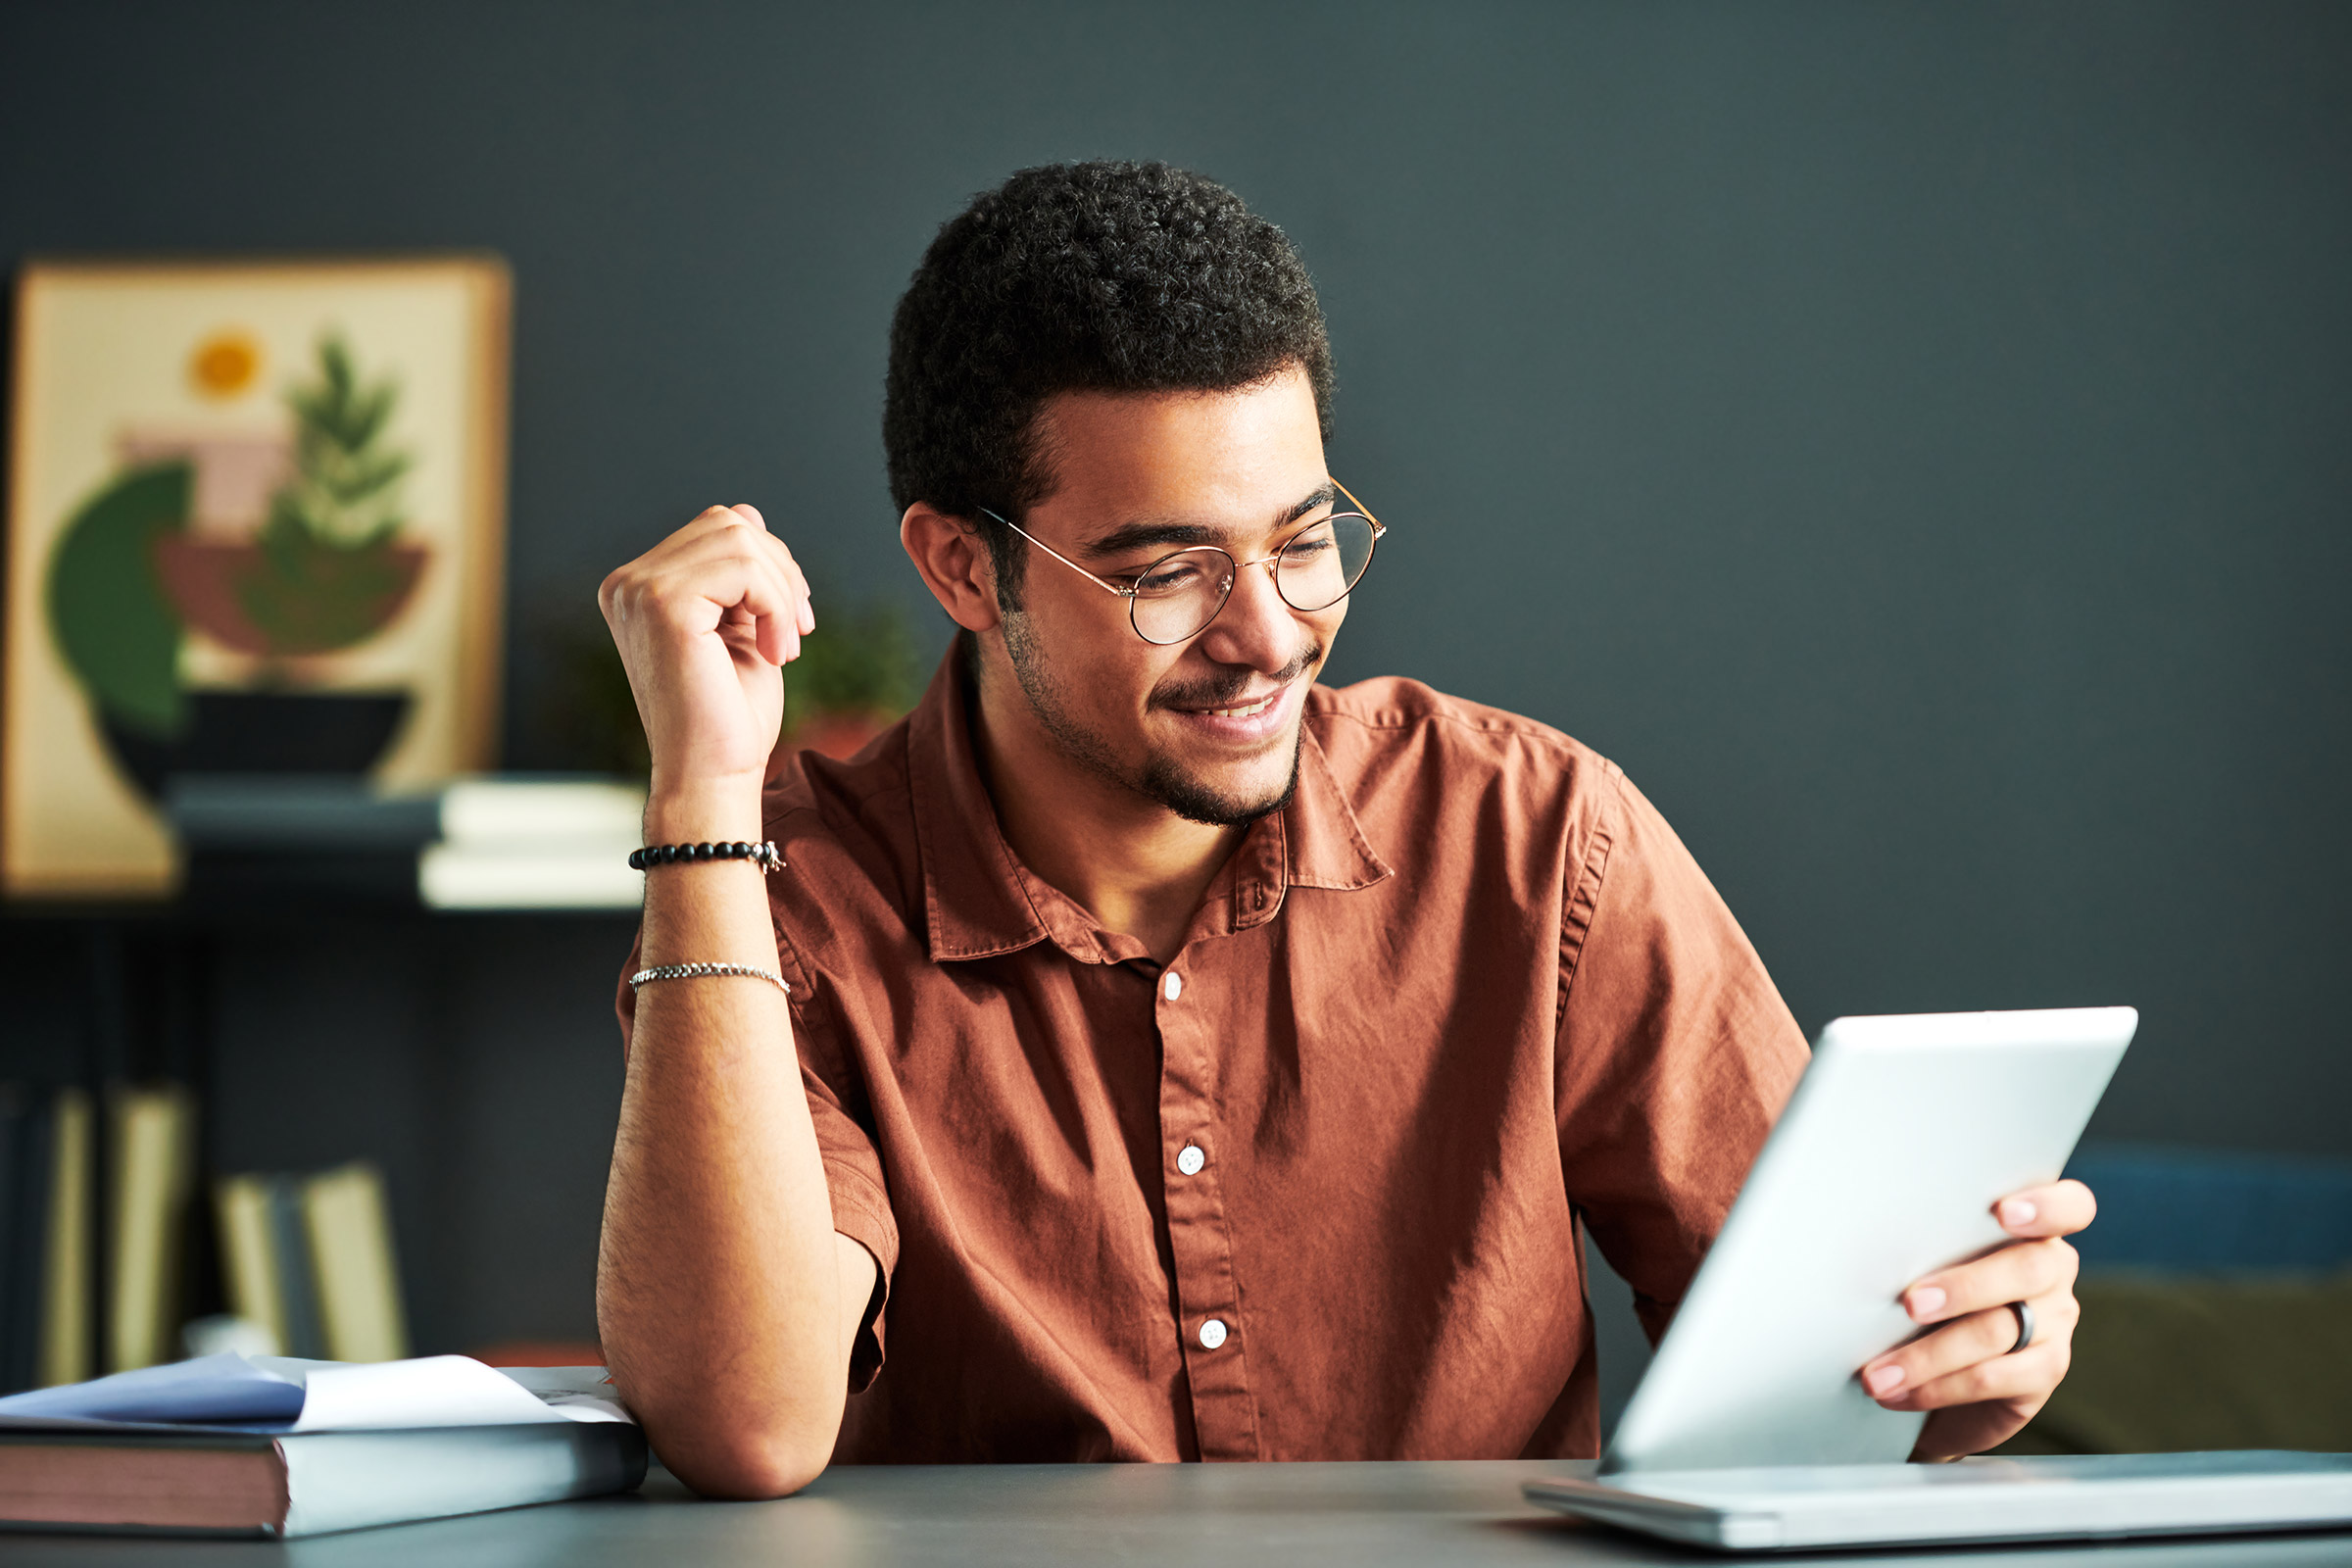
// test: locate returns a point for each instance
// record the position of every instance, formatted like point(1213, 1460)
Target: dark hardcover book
point(297, 1269)
point(303, 1483)
point(296, 813)
point(15, 1368)
point(26, 1171)
point(261, 838)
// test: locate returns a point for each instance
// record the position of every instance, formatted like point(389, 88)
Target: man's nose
point(1257, 627)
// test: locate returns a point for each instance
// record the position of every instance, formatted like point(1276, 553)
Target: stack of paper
point(521, 844)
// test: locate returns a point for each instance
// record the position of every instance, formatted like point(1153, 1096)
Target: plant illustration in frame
point(328, 569)
point(284, 552)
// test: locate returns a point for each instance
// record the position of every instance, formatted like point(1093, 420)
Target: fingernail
point(2016, 1211)
point(1927, 1300)
point(1884, 1379)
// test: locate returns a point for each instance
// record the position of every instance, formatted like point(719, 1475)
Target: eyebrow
point(1129, 537)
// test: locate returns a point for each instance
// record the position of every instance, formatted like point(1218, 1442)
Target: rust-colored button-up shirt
point(1313, 1190)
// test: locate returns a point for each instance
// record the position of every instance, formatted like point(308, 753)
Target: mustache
point(1221, 690)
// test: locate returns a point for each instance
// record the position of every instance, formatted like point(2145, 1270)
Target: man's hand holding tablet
point(1970, 1372)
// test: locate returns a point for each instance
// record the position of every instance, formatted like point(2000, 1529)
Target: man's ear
point(955, 562)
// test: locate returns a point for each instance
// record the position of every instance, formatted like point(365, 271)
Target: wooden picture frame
point(256, 524)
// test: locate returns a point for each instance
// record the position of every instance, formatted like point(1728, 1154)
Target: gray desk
point(1456, 1515)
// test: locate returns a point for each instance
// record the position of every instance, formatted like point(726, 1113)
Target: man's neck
point(1133, 864)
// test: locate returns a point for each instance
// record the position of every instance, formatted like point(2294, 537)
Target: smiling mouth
point(1225, 699)
point(1246, 711)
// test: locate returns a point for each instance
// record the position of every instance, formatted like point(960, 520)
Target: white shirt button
point(1212, 1332)
point(1172, 986)
point(1190, 1159)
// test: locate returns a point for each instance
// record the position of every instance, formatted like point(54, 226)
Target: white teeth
point(1254, 708)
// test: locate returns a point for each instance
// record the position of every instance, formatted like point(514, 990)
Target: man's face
point(1207, 727)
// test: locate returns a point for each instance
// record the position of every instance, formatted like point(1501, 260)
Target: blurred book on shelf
point(261, 839)
point(23, 1190)
point(90, 1255)
point(519, 842)
point(309, 1260)
point(68, 1247)
point(103, 1248)
point(151, 1169)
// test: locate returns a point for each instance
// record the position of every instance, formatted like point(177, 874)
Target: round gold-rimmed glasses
point(1178, 595)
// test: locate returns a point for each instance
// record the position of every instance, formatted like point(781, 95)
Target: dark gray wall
point(1911, 439)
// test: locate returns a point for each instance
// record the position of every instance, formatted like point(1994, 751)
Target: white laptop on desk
point(1750, 1430)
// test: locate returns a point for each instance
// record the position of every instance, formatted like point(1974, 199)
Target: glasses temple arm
point(1106, 587)
point(1351, 501)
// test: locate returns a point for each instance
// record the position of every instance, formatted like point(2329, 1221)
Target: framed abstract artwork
point(256, 525)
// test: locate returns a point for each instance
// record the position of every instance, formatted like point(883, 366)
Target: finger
point(2060, 1208)
point(710, 519)
point(775, 633)
point(803, 615)
point(1964, 1343)
point(750, 514)
point(628, 587)
point(2017, 1272)
point(715, 584)
point(755, 640)
point(2030, 1374)
point(719, 536)
point(780, 635)
point(808, 596)
point(807, 618)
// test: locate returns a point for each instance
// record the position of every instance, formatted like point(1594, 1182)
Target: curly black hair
point(1097, 276)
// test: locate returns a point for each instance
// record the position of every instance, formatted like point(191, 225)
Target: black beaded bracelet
point(764, 855)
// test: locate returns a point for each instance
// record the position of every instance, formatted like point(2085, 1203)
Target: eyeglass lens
point(1315, 568)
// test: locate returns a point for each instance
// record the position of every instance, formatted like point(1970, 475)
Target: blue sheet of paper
point(223, 1390)
point(278, 1393)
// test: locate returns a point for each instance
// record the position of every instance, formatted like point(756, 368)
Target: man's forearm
point(720, 1287)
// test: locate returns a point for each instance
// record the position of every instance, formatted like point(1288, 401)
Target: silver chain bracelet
point(693, 971)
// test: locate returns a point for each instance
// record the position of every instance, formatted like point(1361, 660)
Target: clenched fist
point(705, 620)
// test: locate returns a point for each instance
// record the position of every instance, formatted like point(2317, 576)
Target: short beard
point(1161, 780)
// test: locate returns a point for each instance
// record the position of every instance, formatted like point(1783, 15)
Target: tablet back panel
point(1902, 1136)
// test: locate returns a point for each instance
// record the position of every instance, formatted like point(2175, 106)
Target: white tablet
point(1902, 1136)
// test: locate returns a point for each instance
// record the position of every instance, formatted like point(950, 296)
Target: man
point(1165, 1057)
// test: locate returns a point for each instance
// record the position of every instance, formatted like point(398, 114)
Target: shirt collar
point(981, 902)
